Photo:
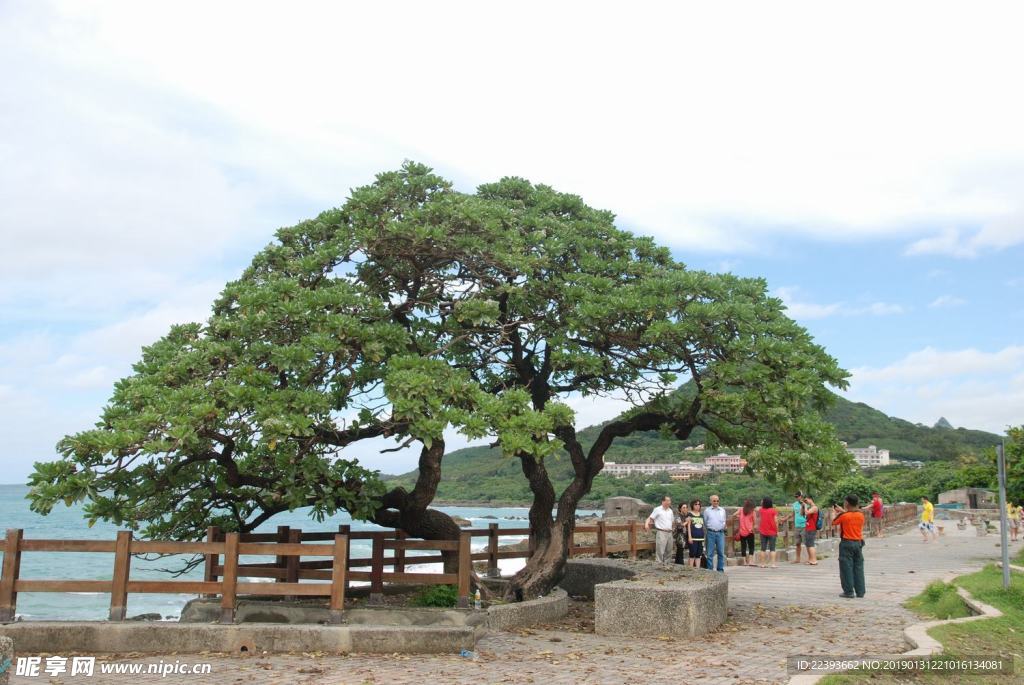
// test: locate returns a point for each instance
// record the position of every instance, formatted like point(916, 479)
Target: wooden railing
point(222, 567)
point(222, 562)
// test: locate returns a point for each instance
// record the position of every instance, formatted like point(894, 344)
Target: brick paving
point(773, 613)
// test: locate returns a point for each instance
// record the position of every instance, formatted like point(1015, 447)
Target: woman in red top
point(768, 527)
point(810, 532)
point(746, 532)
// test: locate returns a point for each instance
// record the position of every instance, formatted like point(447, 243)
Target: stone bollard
point(6, 659)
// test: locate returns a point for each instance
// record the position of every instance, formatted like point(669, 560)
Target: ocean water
point(68, 522)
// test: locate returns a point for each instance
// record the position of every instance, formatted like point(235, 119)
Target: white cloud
point(809, 310)
point(970, 387)
point(146, 150)
point(672, 101)
point(947, 301)
point(929, 364)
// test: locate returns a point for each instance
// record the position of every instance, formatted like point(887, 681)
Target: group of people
point(698, 534)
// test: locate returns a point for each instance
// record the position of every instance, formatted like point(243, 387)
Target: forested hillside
point(482, 474)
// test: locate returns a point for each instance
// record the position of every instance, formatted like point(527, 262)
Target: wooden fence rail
point(223, 569)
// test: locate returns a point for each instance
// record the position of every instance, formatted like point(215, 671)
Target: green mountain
point(482, 473)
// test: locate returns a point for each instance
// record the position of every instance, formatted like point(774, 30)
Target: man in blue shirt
point(799, 523)
point(714, 520)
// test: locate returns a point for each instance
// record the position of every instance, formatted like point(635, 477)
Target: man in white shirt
point(714, 520)
point(664, 520)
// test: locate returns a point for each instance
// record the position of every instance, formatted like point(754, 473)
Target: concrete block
point(541, 610)
point(650, 608)
point(582, 575)
point(642, 598)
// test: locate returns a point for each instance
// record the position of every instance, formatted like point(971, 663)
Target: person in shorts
point(768, 527)
point(799, 523)
point(927, 524)
point(1013, 514)
point(877, 514)
point(810, 531)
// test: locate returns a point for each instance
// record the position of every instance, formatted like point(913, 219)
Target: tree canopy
point(414, 309)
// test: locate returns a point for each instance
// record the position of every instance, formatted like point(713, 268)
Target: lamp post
point(1004, 522)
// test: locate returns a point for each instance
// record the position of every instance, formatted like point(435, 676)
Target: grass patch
point(1003, 636)
point(436, 596)
point(939, 600)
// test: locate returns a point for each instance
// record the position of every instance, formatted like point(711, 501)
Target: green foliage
point(1013, 451)
point(854, 484)
point(939, 600)
point(413, 309)
point(899, 483)
point(436, 596)
point(860, 425)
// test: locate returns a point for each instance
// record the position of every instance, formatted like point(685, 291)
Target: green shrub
point(939, 600)
point(436, 596)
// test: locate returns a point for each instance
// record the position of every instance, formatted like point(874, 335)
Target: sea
point(69, 523)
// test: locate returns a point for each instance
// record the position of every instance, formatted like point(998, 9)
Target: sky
point(866, 160)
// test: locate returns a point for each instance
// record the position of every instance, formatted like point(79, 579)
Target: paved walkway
point(773, 613)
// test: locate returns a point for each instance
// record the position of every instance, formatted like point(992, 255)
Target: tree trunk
point(551, 535)
point(410, 512)
point(545, 568)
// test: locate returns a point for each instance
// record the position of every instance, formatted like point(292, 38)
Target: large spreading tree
point(415, 310)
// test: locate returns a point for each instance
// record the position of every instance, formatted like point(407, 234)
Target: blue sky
point(146, 153)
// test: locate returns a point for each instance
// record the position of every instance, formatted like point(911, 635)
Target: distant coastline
point(503, 504)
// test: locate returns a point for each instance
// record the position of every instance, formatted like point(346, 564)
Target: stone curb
point(1013, 567)
point(99, 637)
point(541, 610)
point(917, 636)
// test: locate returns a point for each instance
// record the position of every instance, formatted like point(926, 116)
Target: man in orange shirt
point(851, 554)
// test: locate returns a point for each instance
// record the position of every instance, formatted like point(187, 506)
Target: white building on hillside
point(726, 463)
point(869, 457)
point(684, 467)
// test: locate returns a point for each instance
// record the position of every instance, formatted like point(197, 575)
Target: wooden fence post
point(602, 539)
point(492, 551)
point(399, 552)
point(230, 582)
point(345, 529)
point(465, 569)
point(11, 569)
point(295, 537)
point(339, 578)
point(212, 533)
point(281, 562)
point(119, 583)
point(377, 571)
point(632, 539)
point(730, 541)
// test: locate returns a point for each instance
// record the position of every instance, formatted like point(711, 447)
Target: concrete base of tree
point(648, 599)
